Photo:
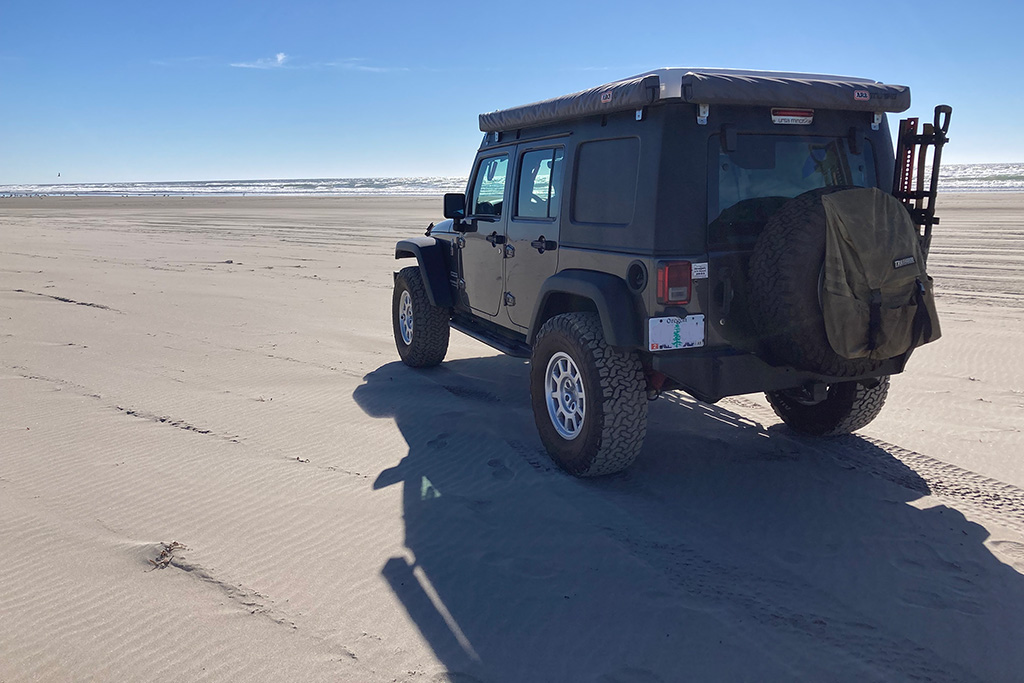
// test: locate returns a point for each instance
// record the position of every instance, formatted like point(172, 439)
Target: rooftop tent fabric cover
point(621, 96)
point(877, 301)
point(816, 93)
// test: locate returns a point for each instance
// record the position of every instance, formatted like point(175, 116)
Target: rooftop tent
point(632, 93)
point(708, 86)
point(788, 90)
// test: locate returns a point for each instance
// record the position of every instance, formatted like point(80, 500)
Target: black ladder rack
point(908, 186)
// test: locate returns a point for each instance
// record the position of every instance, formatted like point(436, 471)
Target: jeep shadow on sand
point(719, 232)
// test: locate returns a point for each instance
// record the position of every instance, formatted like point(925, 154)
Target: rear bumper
point(710, 374)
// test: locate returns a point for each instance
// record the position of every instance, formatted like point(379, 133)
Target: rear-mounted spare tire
point(785, 281)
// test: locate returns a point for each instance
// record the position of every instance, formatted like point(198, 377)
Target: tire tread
point(431, 332)
point(623, 388)
point(852, 407)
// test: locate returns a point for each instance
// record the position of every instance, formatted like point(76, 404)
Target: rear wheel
point(589, 399)
point(847, 407)
point(421, 329)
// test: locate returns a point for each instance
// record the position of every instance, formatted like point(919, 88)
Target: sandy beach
point(214, 467)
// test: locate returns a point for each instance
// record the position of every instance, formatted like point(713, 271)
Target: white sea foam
point(952, 178)
point(982, 178)
point(418, 186)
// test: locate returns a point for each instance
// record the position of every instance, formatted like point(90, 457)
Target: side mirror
point(454, 205)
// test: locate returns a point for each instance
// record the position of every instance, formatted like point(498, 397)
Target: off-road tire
point(784, 289)
point(429, 332)
point(848, 407)
point(615, 420)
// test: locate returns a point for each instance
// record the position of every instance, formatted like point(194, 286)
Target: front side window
point(540, 180)
point(489, 187)
point(765, 171)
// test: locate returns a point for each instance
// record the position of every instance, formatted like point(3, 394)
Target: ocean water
point(952, 178)
point(981, 178)
point(409, 187)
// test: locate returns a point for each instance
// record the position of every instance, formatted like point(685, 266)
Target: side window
point(540, 180)
point(489, 187)
point(606, 177)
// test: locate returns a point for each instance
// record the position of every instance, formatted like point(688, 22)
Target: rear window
point(765, 171)
point(606, 172)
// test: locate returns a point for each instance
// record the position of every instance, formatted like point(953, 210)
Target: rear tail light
point(674, 282)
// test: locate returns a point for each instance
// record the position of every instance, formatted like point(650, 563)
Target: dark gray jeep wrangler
point(715, 231)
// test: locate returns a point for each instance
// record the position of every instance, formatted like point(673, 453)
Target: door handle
point(495, 239)
point(727, 293)
point(542, 245)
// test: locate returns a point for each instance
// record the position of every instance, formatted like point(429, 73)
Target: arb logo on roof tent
point(861, 95)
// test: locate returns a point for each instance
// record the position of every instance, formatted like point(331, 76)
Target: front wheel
point(589, 400)
point(847, 407)
point(421, 329)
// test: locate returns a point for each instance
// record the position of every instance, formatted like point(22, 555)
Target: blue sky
point(112, 91)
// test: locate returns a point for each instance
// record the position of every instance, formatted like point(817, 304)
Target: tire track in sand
point(66, 300)
point(988, 499)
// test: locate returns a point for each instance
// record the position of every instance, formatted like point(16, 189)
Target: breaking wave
point(418, 186)
point(952, 178)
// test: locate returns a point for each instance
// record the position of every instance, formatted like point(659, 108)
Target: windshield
point(764, 171)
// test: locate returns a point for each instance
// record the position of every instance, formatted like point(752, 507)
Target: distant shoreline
point(305, 187)
point(421, 195)
point(965, 178)
point(219, 196)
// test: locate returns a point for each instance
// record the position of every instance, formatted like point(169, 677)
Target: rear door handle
point(727, 294)
point(542, 245)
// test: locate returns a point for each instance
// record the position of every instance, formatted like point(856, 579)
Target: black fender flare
point(620, 310)
point(432, 255)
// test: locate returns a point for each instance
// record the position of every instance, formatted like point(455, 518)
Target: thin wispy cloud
point(275, 62)
point(358, 64)
point(282, 60)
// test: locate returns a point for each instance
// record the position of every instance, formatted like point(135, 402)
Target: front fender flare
point(432, 255)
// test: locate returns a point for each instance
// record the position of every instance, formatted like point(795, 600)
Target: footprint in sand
point(532, 567)
point(438, 442)
point(500, 470)
point(630, 675)
point(453, 677)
